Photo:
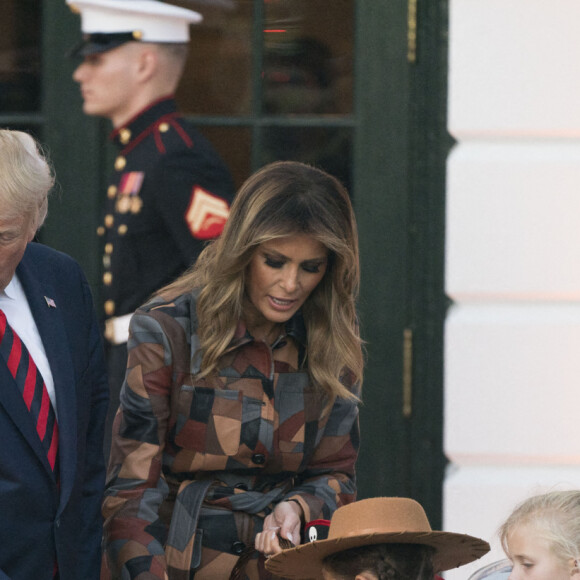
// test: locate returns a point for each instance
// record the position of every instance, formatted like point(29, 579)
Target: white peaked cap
point(147, 20)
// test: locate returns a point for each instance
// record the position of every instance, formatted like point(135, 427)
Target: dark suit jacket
point(36, 519)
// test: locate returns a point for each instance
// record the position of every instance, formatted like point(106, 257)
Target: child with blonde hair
point(542, 537)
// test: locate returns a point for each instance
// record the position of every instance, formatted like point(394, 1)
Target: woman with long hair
point(239, 409)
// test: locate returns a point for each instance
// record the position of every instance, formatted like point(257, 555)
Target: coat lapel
point(49, 321)
point(11, 399)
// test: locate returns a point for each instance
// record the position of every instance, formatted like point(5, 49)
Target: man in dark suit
point(169, 191)
point(53, 388)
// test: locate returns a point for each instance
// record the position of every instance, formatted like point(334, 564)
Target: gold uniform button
point(106, 262)
point(107, 278)
point(112, 191)
point(109, 220)
point(164, 127)
point(108, 248)
point(136, 204)
point(100, 231)
point(123, 204)
point(120, 163)
point(137, 34)
point(109, 307)
point(122, 229)
point(125, 136)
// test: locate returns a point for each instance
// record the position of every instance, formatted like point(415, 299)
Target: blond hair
point(26, 177)
point(284, 199)
point(555, 517)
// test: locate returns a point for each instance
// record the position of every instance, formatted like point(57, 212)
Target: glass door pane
point(308, 57)
point(307, 83)
point(329, 148)
point(273, 79)
point(20, 56)
point(218, 74)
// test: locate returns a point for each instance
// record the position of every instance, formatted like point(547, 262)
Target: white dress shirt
point(15, 305)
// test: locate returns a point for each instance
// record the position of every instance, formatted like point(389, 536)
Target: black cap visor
point(101, 42)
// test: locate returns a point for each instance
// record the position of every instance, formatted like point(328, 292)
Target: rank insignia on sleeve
point(206, 214)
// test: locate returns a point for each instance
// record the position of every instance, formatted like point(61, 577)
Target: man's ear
point(575, 568)
point(148, 62)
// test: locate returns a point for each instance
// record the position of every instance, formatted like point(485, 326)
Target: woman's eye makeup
point(312, 267)
point(273, 262)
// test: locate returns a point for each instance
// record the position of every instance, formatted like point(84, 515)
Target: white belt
point(117, 329)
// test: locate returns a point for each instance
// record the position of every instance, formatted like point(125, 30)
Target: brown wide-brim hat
point(379, 520)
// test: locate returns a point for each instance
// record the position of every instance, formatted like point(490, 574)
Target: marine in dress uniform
point(169, 191)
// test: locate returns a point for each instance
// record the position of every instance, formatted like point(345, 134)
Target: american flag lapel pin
point(50, 302)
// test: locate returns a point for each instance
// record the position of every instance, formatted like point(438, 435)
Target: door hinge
point(411, 31)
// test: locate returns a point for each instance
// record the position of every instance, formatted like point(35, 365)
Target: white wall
point(512, 340)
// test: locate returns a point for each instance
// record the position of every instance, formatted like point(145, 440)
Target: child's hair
point(555, 516)
point(385, 561)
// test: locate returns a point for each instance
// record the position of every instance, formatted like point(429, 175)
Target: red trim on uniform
point(158, 140)
point(169, 118)
point(186, 138)
point(117, 130)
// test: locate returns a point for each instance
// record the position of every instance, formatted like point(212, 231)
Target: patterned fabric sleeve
point(329, 480)
point(134, 534)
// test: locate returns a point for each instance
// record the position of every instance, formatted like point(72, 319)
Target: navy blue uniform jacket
point(169, 193)
point(37, 519)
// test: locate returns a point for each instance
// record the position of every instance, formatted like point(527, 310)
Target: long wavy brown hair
point(283, 199)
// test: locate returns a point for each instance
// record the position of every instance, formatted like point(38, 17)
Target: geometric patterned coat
point(196, 465)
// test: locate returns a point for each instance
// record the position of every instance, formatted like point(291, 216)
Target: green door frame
point(400, 150)
point(398, 187)
point(75, 144)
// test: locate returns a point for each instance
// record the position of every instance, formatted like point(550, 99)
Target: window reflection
point(307, 58)
point(298, 77)
point(308, 52)
point(218, 75)
point(304, 69)
point(20, 56)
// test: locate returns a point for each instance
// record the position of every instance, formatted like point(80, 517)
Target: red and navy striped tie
point(32, 387)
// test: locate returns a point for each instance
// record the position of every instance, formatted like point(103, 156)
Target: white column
point(512, 339)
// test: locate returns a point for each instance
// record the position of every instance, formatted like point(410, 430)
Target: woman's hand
point(285, 520)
